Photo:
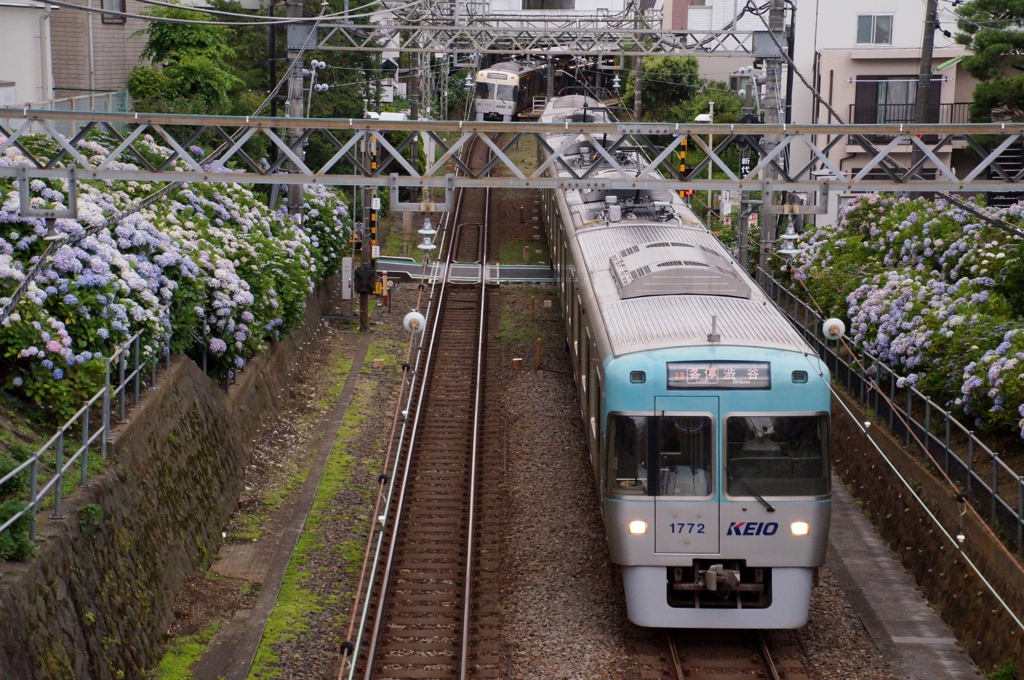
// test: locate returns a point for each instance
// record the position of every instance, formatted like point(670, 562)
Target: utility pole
point(639, 64)
point(924, 74)
point(414, 114)
point(550, 92)
point(295, 100)
point(773, 105)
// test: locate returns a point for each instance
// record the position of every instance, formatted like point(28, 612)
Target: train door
point(682, 450)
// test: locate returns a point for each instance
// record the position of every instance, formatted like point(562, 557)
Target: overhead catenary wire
point(332, 15)
point(267, 21)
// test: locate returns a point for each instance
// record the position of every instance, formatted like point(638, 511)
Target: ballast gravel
point(565, 610)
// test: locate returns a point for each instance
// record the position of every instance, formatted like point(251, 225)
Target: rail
point(120, 384)
point(350, 649)
point(991, 486)
point(376, 633)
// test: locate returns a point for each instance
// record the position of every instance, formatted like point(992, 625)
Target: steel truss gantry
point(499, 35)
point(612, 147)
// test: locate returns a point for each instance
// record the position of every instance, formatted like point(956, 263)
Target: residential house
point(95, 51)
point(25, 67)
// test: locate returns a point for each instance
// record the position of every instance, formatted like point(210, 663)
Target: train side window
point(584, 354)
point(627, 454)
point(485, 90)
point(685, 456)
point(777, 455)
point(595, 399)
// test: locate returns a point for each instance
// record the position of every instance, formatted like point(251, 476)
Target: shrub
point(210, 263)
point(14, 542)
point(922, 285)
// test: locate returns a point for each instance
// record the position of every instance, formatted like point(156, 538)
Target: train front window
point(485, 90)
point(777, 455)
point(627, 454)
point(685, 456)
point(507, 93)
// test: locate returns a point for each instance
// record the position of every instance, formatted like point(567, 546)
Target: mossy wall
point(96, 600)
point(986, 630)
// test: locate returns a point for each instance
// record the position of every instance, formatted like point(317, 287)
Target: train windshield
point(684, 456)
point(777, 455)
point(485, 90)
point(507, 93)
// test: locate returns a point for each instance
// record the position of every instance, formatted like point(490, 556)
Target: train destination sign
point(719, 375)
point(497, 76)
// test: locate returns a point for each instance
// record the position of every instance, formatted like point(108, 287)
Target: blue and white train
point(707, 414)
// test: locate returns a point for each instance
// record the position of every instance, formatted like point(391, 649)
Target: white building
point(26, 73)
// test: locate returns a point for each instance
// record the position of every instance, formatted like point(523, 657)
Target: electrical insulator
point(682, 155)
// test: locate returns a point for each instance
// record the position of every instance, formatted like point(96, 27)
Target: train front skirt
point(648, 596)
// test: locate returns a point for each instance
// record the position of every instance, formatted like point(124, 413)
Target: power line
point(268, 21)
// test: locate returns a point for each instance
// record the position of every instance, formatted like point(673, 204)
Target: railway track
point(722, 655)
point(436, 612)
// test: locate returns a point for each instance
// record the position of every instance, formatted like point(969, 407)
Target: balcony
point(894, 114)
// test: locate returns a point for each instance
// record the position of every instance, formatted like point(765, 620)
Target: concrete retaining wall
point(986, 630)
point(94, 602)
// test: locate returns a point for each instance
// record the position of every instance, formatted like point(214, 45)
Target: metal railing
point(991, 486)
point(94, 102)
point(125, 370)
point(954, 113)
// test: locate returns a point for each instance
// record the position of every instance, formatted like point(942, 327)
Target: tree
point(667, 81)
point(991, 30)
point(189, 72)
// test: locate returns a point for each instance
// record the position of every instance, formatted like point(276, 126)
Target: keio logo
point(752, 529)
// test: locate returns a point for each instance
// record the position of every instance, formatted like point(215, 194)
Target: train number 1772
point(687, 528)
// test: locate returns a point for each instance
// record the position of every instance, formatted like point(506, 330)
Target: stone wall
point(95, 601)
point(986, 630)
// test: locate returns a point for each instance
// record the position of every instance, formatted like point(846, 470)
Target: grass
point(296, 603)
point(512, 252)
point(177, 663)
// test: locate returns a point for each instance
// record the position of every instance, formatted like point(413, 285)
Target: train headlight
point(800, 528)
point(638, 526)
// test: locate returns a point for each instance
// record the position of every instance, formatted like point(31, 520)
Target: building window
point(113, 6)
point(874, 29)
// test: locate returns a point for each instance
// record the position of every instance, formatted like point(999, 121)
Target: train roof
point(658, 274)
point(512, 67)
point(668, 301)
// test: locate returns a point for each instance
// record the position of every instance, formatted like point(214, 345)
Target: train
point(506, 89)
point(707, 415)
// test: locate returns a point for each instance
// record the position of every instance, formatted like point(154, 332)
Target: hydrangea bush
point(209, 263)
point(923, 285)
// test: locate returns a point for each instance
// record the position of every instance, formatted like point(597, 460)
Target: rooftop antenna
point(714, 336)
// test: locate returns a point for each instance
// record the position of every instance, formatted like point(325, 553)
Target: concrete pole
point(639, 65)
point(772, 106)
point(294, 105)
point(924, 75)
point(550, 94)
